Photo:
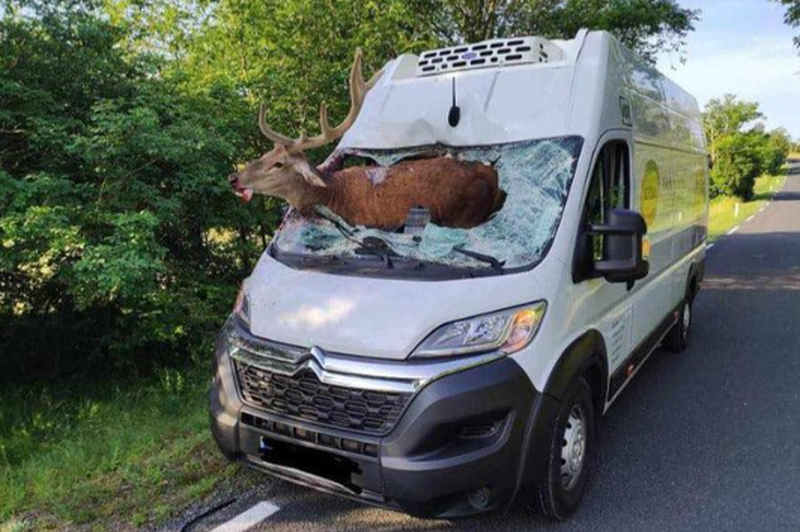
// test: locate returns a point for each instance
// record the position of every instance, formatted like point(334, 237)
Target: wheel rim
point(687, 319)
point(573, 448)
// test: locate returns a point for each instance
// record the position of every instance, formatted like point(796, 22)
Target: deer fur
point(457, 193)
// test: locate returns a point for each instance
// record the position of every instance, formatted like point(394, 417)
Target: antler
point(358, 90)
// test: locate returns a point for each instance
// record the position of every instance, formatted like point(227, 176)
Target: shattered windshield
point(535, 175)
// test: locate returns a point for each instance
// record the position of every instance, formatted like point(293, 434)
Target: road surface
point(703, 441)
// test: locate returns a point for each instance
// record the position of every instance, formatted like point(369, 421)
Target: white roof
point(576, 91)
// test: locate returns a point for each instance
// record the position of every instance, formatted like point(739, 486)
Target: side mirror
point(622, 244)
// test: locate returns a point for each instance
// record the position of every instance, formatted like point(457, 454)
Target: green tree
point(740, 148)
point(647, 26)
point(115, 217)
point(294, 55)
point(725, 117)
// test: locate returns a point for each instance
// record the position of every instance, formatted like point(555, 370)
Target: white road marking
point(248, 519)
point(709, 246)
point(733, 230)
point(750, 218)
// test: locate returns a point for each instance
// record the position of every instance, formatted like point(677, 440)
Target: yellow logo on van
point(649, 196)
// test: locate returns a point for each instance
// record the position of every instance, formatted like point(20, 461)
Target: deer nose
point(233, 179)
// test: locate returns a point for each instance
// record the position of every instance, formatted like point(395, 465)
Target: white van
point(470, 368)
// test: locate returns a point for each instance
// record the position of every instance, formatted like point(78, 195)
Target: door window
point(609, 189)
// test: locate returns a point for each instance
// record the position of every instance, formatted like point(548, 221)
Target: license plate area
point(338, 469)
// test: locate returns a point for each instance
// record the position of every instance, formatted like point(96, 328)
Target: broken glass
point(536, 175)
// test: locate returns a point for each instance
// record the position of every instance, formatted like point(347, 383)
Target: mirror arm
point(608, 230)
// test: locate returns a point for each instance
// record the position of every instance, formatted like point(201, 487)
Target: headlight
point(507, 331)
point(241, 307)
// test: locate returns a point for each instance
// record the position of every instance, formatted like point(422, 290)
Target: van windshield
point(536, 176)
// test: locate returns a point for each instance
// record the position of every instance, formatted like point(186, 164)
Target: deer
point(458, 194)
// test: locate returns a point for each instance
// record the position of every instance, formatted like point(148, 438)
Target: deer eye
point(278, 165)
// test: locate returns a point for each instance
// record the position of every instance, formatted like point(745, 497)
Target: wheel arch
point(695, 277)
point(584, 356)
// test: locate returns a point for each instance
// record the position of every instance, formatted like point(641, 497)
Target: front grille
point(303, 396)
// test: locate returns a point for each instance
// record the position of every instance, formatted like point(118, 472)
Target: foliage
point(294, 55)
point(737, 165)
point(725, 117)
point(111, 188)
point(739, 147)
point(775, 150)
point(647, 26)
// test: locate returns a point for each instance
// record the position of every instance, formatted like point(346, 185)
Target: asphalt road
point(708, 440)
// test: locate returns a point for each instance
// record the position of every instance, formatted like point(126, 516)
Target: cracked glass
point(536, 176)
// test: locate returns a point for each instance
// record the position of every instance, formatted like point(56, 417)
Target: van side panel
point(669, 187)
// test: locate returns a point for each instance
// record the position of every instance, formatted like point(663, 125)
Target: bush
point(775, 150)
point(121, 245)
point(738, 164)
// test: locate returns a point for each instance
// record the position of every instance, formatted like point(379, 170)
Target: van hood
point(364, 316)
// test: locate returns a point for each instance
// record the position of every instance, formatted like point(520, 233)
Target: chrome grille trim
point(407, 376)
point(327, 377)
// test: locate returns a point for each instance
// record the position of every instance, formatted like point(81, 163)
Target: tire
point(560, 491)
point(677, 339)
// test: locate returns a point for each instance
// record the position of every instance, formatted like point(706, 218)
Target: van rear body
point(465, 368)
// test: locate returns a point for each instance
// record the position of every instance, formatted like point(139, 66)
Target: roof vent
point(492, 53)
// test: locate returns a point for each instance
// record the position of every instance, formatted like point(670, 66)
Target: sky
point(741, 47)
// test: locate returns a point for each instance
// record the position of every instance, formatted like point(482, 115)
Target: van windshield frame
point(536, 174)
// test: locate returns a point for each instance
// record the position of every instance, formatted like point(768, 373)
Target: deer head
point(285, 172)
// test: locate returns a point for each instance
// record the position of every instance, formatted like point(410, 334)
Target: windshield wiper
point(495, 264)
point(371, 244)
point(336, 223)
point(379, 247)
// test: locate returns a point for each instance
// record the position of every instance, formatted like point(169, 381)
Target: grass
point(722, 211)
point(107, 459)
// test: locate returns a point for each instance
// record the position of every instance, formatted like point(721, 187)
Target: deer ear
point(311, 175)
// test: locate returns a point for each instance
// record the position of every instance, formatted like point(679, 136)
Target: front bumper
point(465, 443)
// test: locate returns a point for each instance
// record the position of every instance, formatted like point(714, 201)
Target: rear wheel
point(677, 338)
point(571, 449)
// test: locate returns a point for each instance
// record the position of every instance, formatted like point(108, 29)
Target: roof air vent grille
point(485, 54)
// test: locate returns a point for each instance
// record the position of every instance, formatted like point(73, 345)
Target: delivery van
point(446, 371)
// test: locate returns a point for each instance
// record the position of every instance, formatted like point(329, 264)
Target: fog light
point(480, 499)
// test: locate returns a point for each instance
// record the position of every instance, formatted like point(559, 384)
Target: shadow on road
point(787, 196)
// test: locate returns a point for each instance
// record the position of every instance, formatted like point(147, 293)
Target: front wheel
point(571, 449)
